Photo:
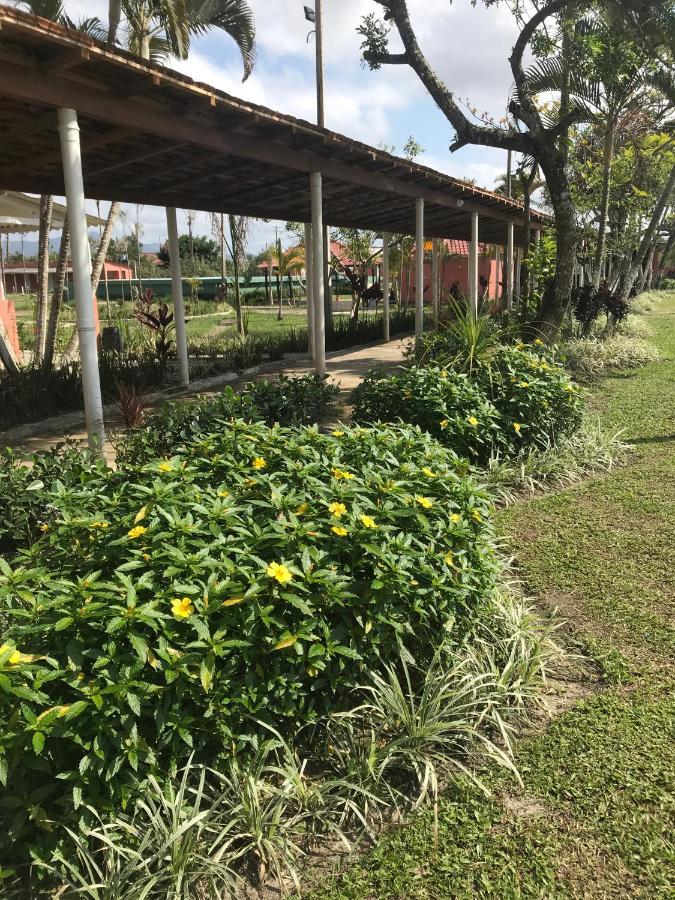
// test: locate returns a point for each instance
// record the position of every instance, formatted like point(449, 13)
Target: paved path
point(347, 367)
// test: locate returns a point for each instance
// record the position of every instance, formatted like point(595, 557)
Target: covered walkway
point(81, 119)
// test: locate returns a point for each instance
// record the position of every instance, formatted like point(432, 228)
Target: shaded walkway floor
point(346, 367)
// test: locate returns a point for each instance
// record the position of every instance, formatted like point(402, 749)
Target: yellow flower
point(140, 515)
point(259, 463)
point(539, 342)
point(367, 627)
point(367, 521)
point(444, 423)
point(287, 642)
point(302, 509)
point(147, 557)
point(339, 530)
point(14, 657)
point(449, 558)
point(472, 420)
point(456, 517)
point(516, 427)
point(429, 472)
point(568, 387)
point(444, 373)
point(233, 601)
point(223, 494)
point(165, 467)
point(100, 525)
point(544, 365)
point(524, 384)
point(312, 671)
point(44, 527)
point(182, 608)
point(337, 509)
point(279, 572)
point(341, 475)
point(425, 502)
point(476, 515)
point(337, 433)
point(136, 532)
point(520, 346)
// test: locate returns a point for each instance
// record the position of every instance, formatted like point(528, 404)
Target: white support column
point(69, 136)
point(473, 266)
point(509, 267)
point(519, 263)
point(435, 286)
point(177, 294)
point(317, 273)
point(498, 275)
point(385, 285)
point(309, 280)
point(419, 267)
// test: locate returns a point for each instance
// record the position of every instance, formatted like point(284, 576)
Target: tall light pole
point(315, 16)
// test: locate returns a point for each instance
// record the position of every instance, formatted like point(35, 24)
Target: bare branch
point(387, 59)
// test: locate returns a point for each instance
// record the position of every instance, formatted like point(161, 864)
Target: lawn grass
point(595, 815)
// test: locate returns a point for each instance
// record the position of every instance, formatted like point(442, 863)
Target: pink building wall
point(8, 319)
point(453, 270)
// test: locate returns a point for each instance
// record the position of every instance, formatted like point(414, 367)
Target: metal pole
point(318, 24)
point(473, 266)
point(309, 280)
point(509, 157)
point(177, 293)
point(385, 285)
point(419, 267)
point(317, 248)
point(69, 137)
point(435, 292)
point(509, 267)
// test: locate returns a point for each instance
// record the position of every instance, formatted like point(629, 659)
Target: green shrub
point(537, 403)
point(590, 358)
point(443, 403)
point(300, 400)
point(169, 608)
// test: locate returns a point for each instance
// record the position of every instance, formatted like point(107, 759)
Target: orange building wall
point(8, 317)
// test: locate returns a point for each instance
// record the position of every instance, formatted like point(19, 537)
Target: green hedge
point(170, 608)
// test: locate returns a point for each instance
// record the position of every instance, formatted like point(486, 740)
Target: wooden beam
point(65, 59)
point(113, 135)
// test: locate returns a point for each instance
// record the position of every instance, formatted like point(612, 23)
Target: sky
point(468, 46)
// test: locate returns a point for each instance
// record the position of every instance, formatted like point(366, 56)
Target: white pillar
point(509, 267)
point(519, 262)
point(498, 267)
point(419, 266)
point(69, 136)
point(435, 287)
point(177, 294)
point(385, 285)
point(318, 293)
point(473, 266)
point(309, 280)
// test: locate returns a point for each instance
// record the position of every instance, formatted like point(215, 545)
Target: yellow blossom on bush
point(449, 558)
point(476, 515)
point(539, 342)
point(429, 472)
point(569, 387)
point(259, 463)
point(425, 502)
point(367, 521)
point(182, 608)
point(524, 383)
point(136, 532)
point(337, 509)
point(516, 427)
point(302, 509)
point(337, 433)
point(341, 475)
point(223, 494)
point(100, 525)
point(44, 527)
point(472, 420)
point(456, 517)
point(165, 467)
point(339, 530)
point(368, 627)
point(279, 572)
point(444, 423)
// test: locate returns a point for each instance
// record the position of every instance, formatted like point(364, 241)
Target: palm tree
point(287, 261)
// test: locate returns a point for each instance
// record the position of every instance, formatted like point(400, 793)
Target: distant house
point(20, 279)
point(454, 271)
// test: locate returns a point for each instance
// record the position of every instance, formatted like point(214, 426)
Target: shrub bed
point(591, 358)
point(519, 400)
point(174, 607)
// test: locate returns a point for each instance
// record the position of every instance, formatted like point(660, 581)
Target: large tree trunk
point(46, 207)
point(648, 236)
point(235, 270)
point(664, 256)
point(114, 16)
point(608, 156)
point(646, 269)
point(57, 297)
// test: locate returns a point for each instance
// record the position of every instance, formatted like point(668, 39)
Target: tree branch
point(387, 59)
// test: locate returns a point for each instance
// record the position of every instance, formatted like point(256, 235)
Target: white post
point(498, 268)
point(519, 262)
point(309, 280)
point(509, 267)
point(473, 266)
point(385, 285)
point(419, 267)
point(434, 281)
point(69, 136)
point(177, 294)
point(317, 248)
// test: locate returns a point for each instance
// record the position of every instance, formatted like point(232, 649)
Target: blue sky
point(468, 46)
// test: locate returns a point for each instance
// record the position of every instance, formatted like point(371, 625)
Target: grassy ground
point(595, 816)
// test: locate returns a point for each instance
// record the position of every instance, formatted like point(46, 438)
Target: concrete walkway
point(346, 367)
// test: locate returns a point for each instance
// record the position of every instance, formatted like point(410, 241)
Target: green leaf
point(63, 623)
point(206, 672)
point(134, 704)
point(140, 646)
point(38, 742)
